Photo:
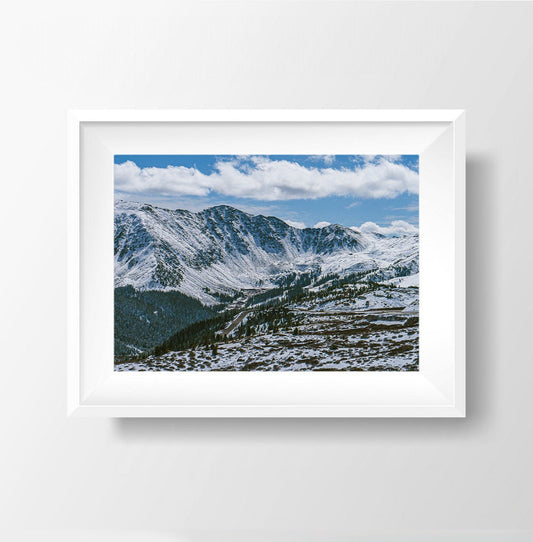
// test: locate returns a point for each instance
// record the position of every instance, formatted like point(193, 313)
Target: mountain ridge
point(221, 250)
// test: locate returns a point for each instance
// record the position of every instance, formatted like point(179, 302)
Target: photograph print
point(266, 263)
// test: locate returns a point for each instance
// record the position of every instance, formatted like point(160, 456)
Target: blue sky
point(302, 189)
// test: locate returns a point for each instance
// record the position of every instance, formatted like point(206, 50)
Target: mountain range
point(222, 250)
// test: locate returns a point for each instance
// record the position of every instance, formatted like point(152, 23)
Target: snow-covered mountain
point(223, 250)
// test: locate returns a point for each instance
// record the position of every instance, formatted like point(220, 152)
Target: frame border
point(76, 406)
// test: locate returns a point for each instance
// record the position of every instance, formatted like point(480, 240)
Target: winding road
point(235, 322)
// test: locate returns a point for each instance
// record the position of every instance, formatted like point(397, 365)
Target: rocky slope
point(222, 250)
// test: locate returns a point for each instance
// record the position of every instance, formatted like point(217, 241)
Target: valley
point(365, 341)
point(261, 295)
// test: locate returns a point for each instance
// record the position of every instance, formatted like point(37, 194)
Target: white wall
point(314, 476)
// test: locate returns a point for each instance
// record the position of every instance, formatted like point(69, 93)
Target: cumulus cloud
point(322, 224)
point(295, 224)
point(259, 177)
point(397, 227)
point(172, 180)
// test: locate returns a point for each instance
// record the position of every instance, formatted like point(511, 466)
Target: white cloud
point(295, 224)
point(322, 224)
point(392, 157)
point(410, 208)
point(328, 159)
point(397, 227)
point(172, 180)
point(270, 180)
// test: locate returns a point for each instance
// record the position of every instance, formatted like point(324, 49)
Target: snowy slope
point(223, 250)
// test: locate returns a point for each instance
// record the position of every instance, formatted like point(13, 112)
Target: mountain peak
point(224, 209)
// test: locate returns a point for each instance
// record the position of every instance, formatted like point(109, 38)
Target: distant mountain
point(221, 250)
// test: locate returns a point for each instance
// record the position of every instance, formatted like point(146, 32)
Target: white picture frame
point(436, 390)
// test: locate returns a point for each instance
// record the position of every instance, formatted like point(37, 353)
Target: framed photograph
point(266, 263)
